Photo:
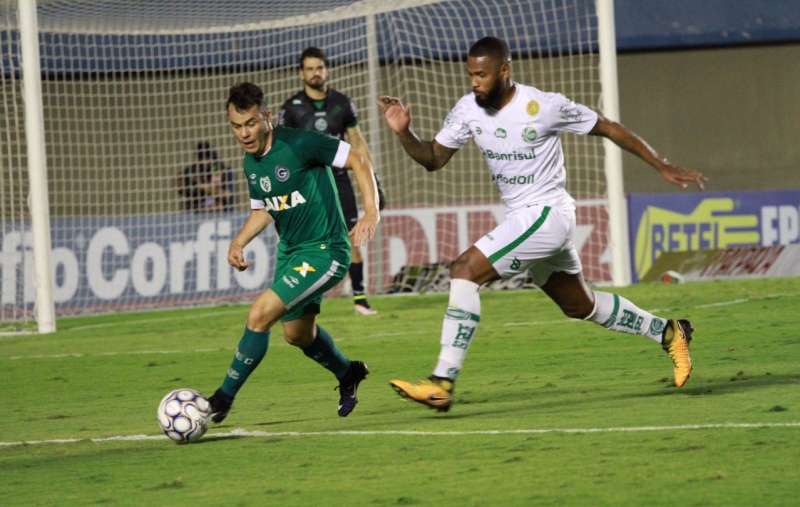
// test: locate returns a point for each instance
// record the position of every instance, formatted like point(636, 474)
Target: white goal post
point(103, 114)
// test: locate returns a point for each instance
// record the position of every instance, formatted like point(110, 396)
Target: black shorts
point(347, 198)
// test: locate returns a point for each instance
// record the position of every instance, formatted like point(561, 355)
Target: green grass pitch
point(548, 411)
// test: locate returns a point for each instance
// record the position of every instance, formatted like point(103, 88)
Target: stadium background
point(712, 85)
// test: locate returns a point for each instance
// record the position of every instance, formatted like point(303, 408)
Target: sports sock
point(356, 272)
point(460, 322)
point(251, 350)
point(324, 351)
point(618, 314)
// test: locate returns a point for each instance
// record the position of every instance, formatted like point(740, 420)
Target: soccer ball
point(184, 415)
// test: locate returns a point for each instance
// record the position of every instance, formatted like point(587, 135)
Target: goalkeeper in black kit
point(319, 107)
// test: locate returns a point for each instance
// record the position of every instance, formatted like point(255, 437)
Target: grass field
point(548, 411)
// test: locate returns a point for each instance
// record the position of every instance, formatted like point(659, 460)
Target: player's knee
point(292, 339)
point(258, 319)
point(297, 339)
point(461, 268)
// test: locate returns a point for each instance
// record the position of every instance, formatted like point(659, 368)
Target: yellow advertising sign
point(710, 226)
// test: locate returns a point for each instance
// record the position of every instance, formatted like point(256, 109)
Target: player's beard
point(318, 85)
point(493, 97)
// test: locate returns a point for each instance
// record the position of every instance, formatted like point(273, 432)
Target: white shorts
point(537, 239)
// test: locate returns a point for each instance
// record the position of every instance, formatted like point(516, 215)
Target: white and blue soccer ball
point(184, 415)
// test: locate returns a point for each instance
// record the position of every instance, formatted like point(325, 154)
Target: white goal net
point(134, 91)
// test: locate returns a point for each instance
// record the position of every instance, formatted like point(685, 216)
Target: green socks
point(251, 350)
point(253, 347)
point(323, 351)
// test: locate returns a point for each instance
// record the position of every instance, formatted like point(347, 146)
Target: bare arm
point(429, 154)
point(258, 220)
point(358, 143)
point(632, 143)
point(364, 230)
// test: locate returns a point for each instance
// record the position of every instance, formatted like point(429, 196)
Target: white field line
point(265, 434)
point(196, 351)
point(375, 335)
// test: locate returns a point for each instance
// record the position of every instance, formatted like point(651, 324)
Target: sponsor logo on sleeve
point(570, 114)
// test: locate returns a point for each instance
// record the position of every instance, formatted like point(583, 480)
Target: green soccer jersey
point(295, 184)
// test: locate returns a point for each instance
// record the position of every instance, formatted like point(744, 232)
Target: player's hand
point(397, 116)
point(682, 176)
point(236, 257)
point(364, 230)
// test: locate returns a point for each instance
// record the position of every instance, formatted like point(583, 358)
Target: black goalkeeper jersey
point(332, 116)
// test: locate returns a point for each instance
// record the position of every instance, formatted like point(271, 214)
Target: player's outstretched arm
point(358, 143)
point(364, 230)
point(631, 142)
point(258, 220)
point(429, 154)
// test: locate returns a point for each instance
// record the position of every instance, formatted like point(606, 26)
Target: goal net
point(133, 96)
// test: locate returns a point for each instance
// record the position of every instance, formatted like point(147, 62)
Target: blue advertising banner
point(101, 264)
point(687, 222)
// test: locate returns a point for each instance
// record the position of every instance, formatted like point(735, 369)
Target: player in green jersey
point(289, 176)
point(319, 107)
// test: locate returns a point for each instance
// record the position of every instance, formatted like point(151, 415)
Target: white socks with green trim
point(618, 314)
point(460, 322)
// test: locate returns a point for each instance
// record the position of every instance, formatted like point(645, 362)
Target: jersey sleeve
point(318, 148)
point(566, 115)
point(455, 132)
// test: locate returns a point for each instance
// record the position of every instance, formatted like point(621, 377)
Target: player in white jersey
point(518, 128)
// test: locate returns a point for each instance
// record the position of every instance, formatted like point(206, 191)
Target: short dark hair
point(494, 48)
point(313, 52)
point(244, 95)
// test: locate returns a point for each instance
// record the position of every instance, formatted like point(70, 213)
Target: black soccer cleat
point(348, 387)
point(361, 306)
point(220, 405)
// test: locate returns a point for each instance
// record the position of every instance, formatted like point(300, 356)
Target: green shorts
point(302, 277)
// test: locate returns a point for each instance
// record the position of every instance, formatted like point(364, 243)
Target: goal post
point(617, 204)
point(133, 92)
point(44, 308)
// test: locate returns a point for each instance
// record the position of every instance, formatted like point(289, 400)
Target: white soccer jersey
point(521, 143)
